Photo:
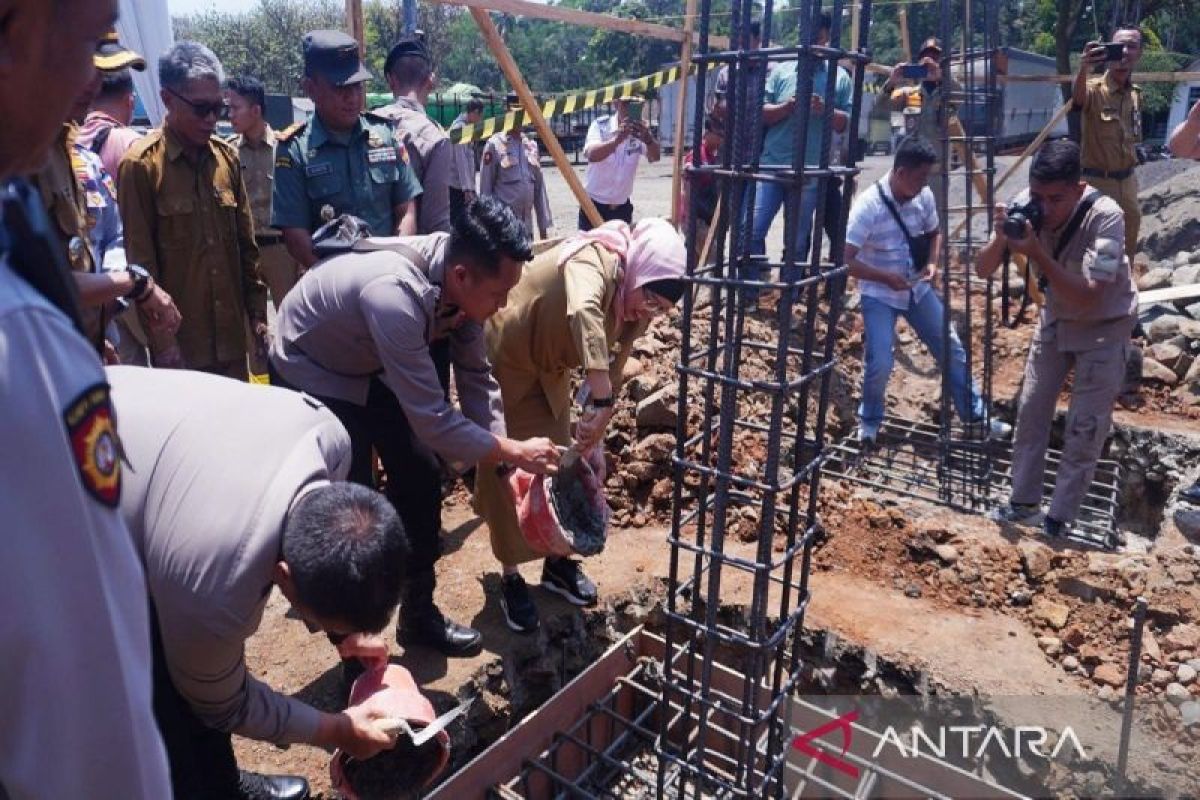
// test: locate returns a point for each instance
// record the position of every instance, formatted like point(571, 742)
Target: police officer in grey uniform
point(511, 171)
point(233, 489)
point(75, 698)
point(411, 78)
point(342, 161)
point(373, 335)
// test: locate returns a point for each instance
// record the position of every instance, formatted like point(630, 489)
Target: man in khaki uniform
point(188, 221)
point(1111, 113)
point(255, 142)
point(1090, 311)
point(410, 75)
point(511, 171)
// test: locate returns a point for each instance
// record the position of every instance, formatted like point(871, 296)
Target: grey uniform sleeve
point(464, 168)
point(397, 324)
point(209, 669)
point(435, 200)
point(75, 632)
point(478, 391)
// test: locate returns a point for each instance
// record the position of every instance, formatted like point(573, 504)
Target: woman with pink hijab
point(580, 305)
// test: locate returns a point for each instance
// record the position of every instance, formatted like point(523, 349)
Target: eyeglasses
point(219, 109)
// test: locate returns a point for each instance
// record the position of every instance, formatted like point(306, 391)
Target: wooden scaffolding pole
point(512, 73)
point(905, 41)
point(685, 68)
point(358, 29)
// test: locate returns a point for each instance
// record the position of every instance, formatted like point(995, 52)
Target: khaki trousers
point(1096, 384)
point(1125, 192)
point(525, 417)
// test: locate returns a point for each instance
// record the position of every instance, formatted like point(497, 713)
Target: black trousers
point(414, 472)
point(201, 758)
point(607, 212)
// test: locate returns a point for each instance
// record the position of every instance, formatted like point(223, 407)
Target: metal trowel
point(395, 727)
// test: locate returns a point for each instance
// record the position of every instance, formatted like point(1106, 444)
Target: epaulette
point(291, 131)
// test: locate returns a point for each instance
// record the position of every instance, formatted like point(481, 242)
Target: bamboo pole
point(513, 74)
point(905, 41)
point(685, 67)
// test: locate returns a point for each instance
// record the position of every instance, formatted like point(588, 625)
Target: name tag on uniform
point(318, 170)
point(381, 155)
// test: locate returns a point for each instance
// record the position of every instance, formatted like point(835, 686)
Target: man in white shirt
point(892, 246)
point(614, 145)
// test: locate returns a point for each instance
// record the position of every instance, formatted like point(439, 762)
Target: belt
point(267, 239)
point(1111, 174)
point(598, 204)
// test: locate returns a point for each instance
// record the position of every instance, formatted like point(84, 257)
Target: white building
point(1185, 95)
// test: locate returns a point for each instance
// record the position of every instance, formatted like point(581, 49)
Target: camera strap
point(1073, 225)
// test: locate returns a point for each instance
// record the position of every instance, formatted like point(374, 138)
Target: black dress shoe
point(255, 786)
point(431, 628)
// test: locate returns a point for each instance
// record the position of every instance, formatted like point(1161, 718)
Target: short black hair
point(1056, 160)
point(474, 104)
point(756, 29)
point(913, 152)
point(411, 71)
point(826, 23)
point(1129, 26)
point(250, 88)
point(115, 84)
point(484, 231)
point(346, 548)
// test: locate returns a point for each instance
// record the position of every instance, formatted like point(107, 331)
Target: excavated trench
point(514, 687)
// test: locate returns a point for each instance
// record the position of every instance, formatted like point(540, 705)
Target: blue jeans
point(768, 200)
point(879, 333)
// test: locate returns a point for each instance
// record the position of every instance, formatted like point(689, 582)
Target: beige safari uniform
point(511, 170)
point(189, 224)
point(279, 270)
point(556, 321)
point(1112, 127)
point(66, 206)
point(1089, 340)
point(431, 157)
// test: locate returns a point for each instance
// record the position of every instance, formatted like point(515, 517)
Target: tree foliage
point(265, 39)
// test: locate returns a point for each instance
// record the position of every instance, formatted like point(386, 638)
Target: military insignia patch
point(383, 155)
point(283, 161)
point(487, 156)
point(92, 432)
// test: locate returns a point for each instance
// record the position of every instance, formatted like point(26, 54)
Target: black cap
point(334, 55)
point(512, 100)
point(409, 45)
point(930, 44)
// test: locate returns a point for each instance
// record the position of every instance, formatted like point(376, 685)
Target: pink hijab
point(652, 250)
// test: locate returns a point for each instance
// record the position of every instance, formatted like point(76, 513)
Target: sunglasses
point(219, 109)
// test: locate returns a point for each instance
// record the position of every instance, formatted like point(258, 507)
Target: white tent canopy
point(145, 27)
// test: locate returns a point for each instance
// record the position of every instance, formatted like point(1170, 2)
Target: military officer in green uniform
point(342, 161)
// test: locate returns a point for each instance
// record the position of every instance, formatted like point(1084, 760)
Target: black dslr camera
point(1018, 215)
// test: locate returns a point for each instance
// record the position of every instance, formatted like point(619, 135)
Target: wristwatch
point(141, 283)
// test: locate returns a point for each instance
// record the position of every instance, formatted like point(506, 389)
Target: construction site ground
point(975, 608)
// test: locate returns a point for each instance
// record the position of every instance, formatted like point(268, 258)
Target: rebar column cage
point(944, 460)
point(800, 297)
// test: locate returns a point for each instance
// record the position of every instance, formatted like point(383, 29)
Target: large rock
point(1109, 675)
point(659, 410)
point(1170, 222)
point(1035, 559)
point(1166, 326)
point(1154, 371)
point(1170, 356)
point(1157, 278)
point(1051, 613)
point(1186, 276)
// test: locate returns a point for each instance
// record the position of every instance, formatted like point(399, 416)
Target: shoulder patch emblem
point(283, 160)
point(487, 156)
point(92, 432)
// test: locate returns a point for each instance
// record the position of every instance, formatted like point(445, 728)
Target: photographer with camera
point(892, 247)
point(1090, 311)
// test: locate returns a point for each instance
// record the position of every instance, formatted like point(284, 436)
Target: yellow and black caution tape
point(565, 105)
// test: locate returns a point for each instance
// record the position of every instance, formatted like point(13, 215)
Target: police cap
point(412, 44)
point(334, 56)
